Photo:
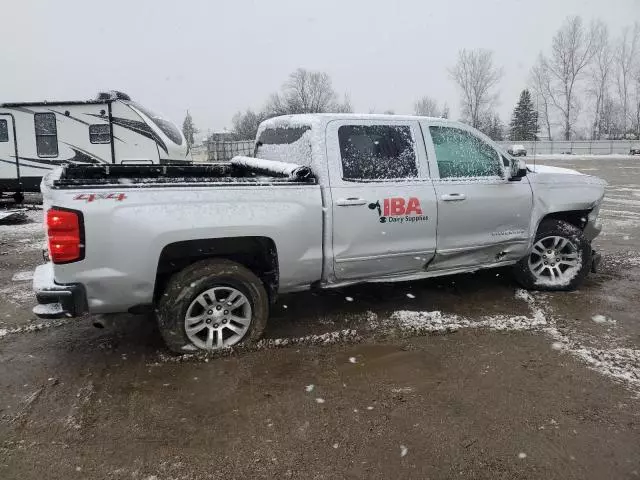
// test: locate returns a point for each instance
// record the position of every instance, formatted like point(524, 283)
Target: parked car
point(517, 151)
point(635, 150)
point(331, 200)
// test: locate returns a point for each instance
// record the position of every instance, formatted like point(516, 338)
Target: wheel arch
point(577, 218)
point(258, 254)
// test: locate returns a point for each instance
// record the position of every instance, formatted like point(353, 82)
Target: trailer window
point(377, 152)
point(99, 133)
point(4, 131)
point(46, 134)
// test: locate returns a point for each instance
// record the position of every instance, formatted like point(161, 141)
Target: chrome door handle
point(351, 201)
point(453, 197)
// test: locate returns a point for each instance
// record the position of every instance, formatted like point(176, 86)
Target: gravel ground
point(465, 377)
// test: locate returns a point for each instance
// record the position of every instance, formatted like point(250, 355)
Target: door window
point(46, 134)
point(377, 152)
point(461, 154)
point(4, 131)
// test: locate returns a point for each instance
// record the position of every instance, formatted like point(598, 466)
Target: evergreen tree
point(189, 129)
point(495, 129)
point(524, 121)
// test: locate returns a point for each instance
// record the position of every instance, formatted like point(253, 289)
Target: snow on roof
point(310, 119)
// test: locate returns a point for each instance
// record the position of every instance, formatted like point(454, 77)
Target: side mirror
point(518, 170)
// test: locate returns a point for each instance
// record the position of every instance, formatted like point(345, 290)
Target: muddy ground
point(463, 377)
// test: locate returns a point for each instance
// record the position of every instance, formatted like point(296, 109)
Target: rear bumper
point(54, 300)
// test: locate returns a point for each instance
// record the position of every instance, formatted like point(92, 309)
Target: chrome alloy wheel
point(554, 260)
point(218, 318)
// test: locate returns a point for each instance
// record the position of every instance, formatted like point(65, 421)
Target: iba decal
point(399, 210)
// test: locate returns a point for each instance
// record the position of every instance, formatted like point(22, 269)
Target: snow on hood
point(549, 169)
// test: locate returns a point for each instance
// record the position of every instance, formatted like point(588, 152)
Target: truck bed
point(78, 176)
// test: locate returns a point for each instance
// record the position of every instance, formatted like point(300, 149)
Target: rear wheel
point(212, 304)
point(559, 260)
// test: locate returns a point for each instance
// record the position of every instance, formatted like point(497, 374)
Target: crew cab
point(329, 200)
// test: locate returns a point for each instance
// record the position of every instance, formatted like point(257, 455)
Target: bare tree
point(609, 117)
point(445, 110)
point(344, 107)
point(626, 52)
point(477, 77)
point(599, 74)
point(245, 125)
point(306, 92)
point(571, 51)
point(541, 85)
point(427, 107)
point(636, 102)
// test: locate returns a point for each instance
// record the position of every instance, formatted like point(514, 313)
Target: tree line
point(585, 86)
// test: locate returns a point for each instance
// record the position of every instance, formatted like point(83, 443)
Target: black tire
point(18, 197)
point(186, 285)
point(551, 227)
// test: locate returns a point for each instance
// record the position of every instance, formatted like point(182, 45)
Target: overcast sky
point(217, 57)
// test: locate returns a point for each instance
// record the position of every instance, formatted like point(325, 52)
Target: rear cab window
point(290, 144)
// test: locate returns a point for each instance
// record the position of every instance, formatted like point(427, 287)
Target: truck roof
point(311, 119)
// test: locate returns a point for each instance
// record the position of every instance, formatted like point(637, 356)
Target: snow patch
point(603, 319)
point(19, 293)
point(417, 323)
point(22, 276)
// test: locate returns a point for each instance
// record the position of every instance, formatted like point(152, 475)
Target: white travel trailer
point(35, 137)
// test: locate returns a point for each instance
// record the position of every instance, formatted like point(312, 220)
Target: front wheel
point(210, 305)
point(559, 260)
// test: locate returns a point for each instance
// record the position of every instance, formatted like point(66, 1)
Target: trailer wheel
point(18, 197)
point(559, 260)
point(210, 305)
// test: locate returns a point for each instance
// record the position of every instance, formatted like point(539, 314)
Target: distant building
point(224, 136)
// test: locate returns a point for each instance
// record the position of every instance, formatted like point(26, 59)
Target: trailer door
point(9, 169)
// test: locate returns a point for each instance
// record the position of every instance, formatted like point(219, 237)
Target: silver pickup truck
point(329, 200)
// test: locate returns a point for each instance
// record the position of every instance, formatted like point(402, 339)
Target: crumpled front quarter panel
point(562, 192)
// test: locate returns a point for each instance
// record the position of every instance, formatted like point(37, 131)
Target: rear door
point(9, 169)
point(383, 201)
point(483, 218)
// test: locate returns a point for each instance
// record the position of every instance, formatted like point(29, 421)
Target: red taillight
point(64, 230)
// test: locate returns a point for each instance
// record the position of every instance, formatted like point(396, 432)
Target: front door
point(9, 168)
point(483, 219)
point(383, 201)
